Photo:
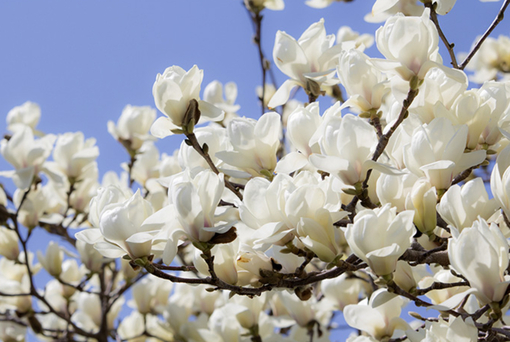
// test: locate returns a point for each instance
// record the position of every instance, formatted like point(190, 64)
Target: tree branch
point(495, 22)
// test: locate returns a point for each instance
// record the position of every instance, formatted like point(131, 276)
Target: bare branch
point(496, 21)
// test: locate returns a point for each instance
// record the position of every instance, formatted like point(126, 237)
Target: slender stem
point(196, 145)
point(130, 169)
point(449, 46)
point(385, 138)
point(495, 22)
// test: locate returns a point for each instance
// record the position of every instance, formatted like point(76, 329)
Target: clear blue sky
point(83, 61)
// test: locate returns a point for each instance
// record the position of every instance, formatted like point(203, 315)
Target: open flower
point(380, 236)
point(308, 61)
point(437, 152)
point(254, 143)
point(26, 154)
point(28, 114)
point(122, 230)
point(379, 316)
point(480, 254)
point(410, 45)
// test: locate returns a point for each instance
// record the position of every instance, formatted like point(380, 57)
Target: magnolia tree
point(264, 230)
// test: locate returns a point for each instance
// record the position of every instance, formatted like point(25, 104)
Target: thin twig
point(192, 138)
point(495, 22)
point(449, 46)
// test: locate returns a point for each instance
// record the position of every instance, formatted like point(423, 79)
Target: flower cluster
point(281, 221)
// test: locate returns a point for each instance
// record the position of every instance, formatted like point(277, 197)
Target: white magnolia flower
point(442, 276)
point(500, 181)
point(52, 259)
point(254, 143)
point(346, 148)
point(379, 316)
point(223, 97)
point(384, 9)
point(492, 61)
point(216, 139)
point(471, 110)
point(308, 61)
point(353, 40)
point(72, 157)
point(437, 152)
point(172, 93)
point(88, 316)
point(28, 114)
point(453, 329)
point(495, 94)
point(150, 295)
point(344, 290)
point(304, 128)
point(480, 254)
point(423, 199)
point(319, 3)
point(461, 206)
point(9, 246)
point(380, 236)
point(133, 126)
point(191, 212)
point(410, 45)
point(26, 154)
point(146, 165)
point(364, 83)
point(122, 230)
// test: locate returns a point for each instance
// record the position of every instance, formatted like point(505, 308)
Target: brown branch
point(289, 281)
point(191, 137)
point(449, 46)
point(495, 22)
point(439, 286)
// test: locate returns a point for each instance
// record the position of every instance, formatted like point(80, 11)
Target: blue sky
point(83, 61)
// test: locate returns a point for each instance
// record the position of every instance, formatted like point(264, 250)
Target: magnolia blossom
point(422, 199)
point(365, 84)
point(308, 61)
point(377, 316)
point(500, 181)
point(492, 61)
point(173, 92)
point(344, 290)
point(224, 100)
point(122, 230)
point(26, 154)
point(437, 152)
point(133, 126)
point(384, 9)
point(9, 247)
point(191, 212)
point(350, 39)
point(461, 206)
point(495, 94)
point(52, 259)
point(410, 45)
point(254, 143)
point(454, 329)
point(380, 236)
point(303, 131)
point(480, 254)
point(72, 156)
point(26, 115)
point(346, 148)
